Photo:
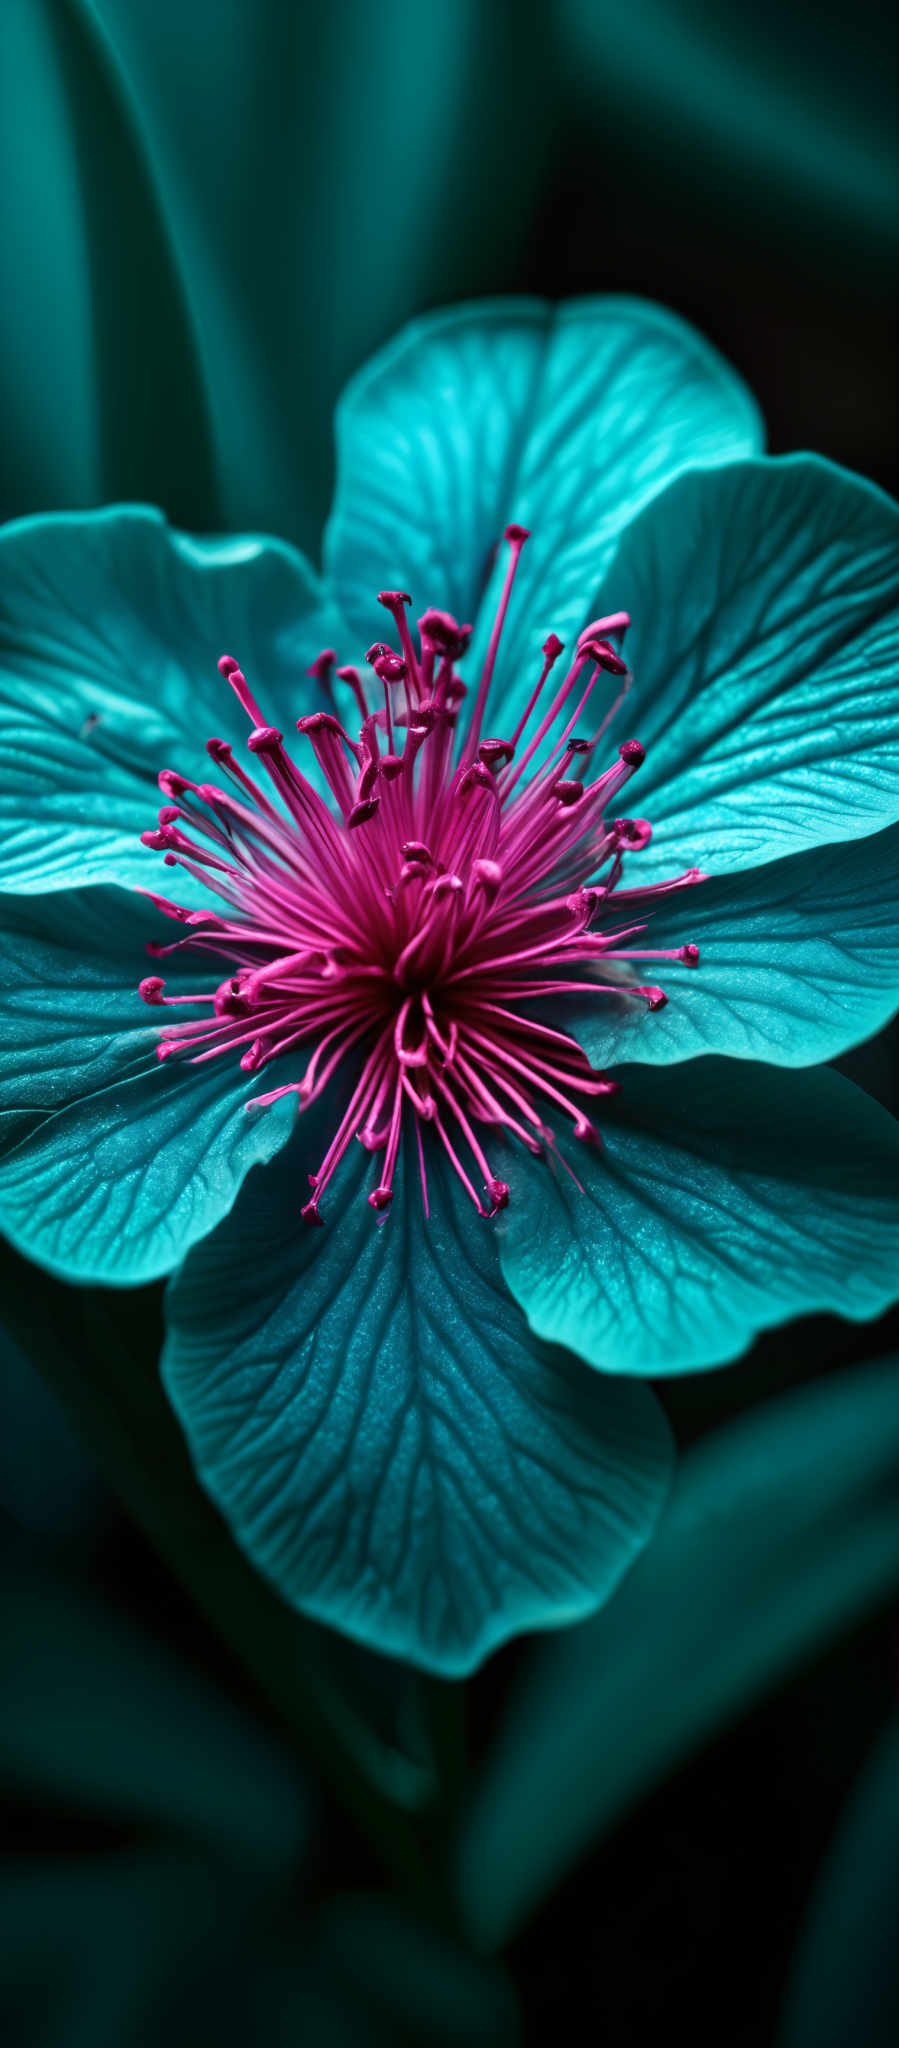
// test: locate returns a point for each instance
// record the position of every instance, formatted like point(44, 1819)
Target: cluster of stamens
point(410, 924)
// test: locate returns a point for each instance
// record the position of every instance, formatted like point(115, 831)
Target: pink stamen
point(400, 930)
point(584, 654)
point(516, 537)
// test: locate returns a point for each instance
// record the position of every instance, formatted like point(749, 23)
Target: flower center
point(409, 923)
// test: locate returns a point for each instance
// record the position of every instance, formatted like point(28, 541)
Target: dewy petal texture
point(765, 644)
point(567, 418)
point(717, 1207)
point(387, 1439)
point(110, 1165)
point(110, 623)
point(799, 961)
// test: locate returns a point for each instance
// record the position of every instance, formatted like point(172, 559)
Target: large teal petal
point(71, 1019)
point(782, 1529)
point(565, 418)
point(111, 1164)
point(111, 625)
point(797, 962)
point(765, 647)
point(389, 1444)
point(726, 1198)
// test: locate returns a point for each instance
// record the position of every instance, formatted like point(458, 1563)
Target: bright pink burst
point(412, 922)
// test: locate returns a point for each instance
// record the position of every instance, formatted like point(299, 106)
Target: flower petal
point(111, 1164)
point(388, 1442)
point(71, 1019)
point(111, 625)
point(564, 418)
point(765, 647)
point(722, 1202)
point(797, 962)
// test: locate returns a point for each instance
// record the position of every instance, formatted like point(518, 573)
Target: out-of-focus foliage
point(356, 1714)
point(157, 1884)
point(94, 1712)
point(783, 1527)
point(218, 211)
point(785, 114)
point(845, 1983)
point(48, 1483)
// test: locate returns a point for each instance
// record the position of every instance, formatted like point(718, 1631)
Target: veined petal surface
point(111, 624)
point(564, 418)
point(387, 1440)
point(725, 1198)
point(111, 1164)
point(798, 961)
point(765, 650)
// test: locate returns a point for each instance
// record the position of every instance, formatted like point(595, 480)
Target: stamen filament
point(400, 928)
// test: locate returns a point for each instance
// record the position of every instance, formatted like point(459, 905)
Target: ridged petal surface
point(765, 651)
point(565, 418)
point(726, 1197)
point(387, 1440)
point(111, 1164)
point(798, 961)
point(111, 624)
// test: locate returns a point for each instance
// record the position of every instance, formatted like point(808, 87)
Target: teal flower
point(430, 950)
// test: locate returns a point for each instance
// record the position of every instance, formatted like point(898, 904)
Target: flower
point(389, 1409)
point(417, 919)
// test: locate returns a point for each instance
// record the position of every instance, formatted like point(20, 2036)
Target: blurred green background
point(213, 212)
point(219, 209)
